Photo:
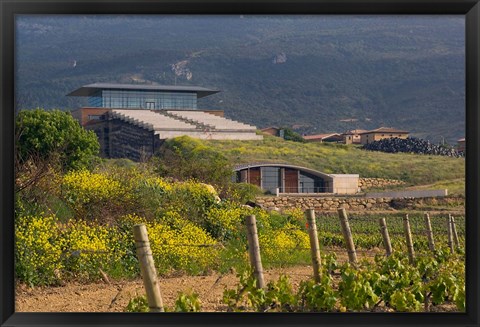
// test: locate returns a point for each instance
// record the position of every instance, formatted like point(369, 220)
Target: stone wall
point(366, 183)
point(352, 203)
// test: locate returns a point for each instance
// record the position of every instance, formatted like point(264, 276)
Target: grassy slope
point(339, 158)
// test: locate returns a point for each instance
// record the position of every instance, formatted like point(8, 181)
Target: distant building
point(131, 121)
point(275, 131)
point(331, 137)
point(353, 136)
point(461, 145)
point(284, 178)
point(382, 133)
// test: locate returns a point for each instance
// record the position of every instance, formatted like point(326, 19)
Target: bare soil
point(114, 297)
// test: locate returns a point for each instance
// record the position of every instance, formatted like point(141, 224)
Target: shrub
point(56, 137)
point(284, 246)
point(87, 248)
point(93, 195)
point(190, 200)
point(185, 158)
point(38, 252)
point(242, 192)
point(181, 245)
point(224, 222)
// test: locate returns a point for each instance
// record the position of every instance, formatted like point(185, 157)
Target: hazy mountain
point(315, 73)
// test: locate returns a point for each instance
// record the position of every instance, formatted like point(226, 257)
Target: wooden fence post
point(408, 237)
point(385, 236)
point(450, 234)
point(147, 268)
point(455, 235)
point(314, 246)
point(428, 228)
point(347, 235)
point(254, 250)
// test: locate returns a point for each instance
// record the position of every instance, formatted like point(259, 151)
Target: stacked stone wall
point(353, 203)
point(368, 183)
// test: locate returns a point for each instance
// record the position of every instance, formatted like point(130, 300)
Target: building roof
point(355, 131)
point(320, 136)
point(90, 89)
point(385, 130)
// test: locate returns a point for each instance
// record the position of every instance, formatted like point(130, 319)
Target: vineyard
point(76, 216)
point(192, 232)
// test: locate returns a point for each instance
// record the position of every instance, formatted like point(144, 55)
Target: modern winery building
point(277, 178)
point(131, 121)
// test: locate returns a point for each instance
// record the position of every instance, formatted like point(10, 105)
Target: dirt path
point(114, 297)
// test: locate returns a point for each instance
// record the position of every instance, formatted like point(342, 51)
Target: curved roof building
point(276, 178)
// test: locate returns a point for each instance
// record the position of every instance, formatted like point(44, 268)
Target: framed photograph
point(239, 163)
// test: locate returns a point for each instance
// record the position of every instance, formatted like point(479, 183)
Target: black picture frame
point(10, 8)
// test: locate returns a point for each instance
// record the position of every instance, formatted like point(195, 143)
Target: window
point(142, 99)
point(271, 179)
point(95, 117)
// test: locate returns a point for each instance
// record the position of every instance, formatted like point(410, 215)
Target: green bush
point(185, 158)
point(55, 136)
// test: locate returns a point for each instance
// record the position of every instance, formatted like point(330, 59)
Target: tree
point(54, 137)
point(290, 135)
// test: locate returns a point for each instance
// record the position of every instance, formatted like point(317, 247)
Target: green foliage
point(290, 135)
point(242, 192)
point(276, 297)
point(318, 297)
point(355, 291)
point(188, 302)
point(186, 158)
point(137, 304)
point(54, 135)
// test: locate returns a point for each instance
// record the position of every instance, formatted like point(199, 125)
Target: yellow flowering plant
point(181, 245)
point(38, 253)
point(88, 192)
point(87, 248)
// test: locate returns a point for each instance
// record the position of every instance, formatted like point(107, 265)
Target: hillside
point(346, 159)
point(317, 74)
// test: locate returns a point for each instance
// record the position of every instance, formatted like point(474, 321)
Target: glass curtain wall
point(143, 99)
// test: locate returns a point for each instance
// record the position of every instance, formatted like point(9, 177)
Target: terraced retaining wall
point(354, 203)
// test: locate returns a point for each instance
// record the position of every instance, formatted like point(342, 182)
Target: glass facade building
point(143, 99)
point(137, 96)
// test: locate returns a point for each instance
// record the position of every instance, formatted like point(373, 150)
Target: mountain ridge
point(405, 72)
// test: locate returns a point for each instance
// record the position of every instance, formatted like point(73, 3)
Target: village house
point(382, 133)
point(274, 131)
point(353, 136)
